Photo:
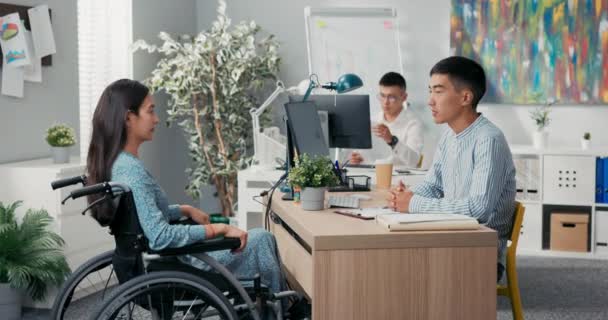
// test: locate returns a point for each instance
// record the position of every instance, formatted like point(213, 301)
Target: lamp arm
point(258, 111)
point(255, 116)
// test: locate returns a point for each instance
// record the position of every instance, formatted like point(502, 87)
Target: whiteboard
point(363, 41)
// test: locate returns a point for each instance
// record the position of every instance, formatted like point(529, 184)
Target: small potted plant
point(31, 258)
point(60, 137)
point(312, 176)
point(586, 141)
point(541, 118)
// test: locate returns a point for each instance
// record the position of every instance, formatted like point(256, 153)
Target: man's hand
point(383, 132)
point(399, 198)
point(356, 158)
point(195, 214)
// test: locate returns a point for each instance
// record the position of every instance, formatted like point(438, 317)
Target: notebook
point(414, 221)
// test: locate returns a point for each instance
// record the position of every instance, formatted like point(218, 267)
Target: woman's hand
point(232, 232)
point(195, 214)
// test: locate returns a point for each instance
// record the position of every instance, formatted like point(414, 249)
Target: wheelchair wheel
point(166, 295)
point(85, 288)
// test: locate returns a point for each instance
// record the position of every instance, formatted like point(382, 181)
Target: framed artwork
point(536, 51)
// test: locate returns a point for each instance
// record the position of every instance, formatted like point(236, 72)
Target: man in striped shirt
point(472, 172)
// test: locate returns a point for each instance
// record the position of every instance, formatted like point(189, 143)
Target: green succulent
point(60, 135)
point(312, 172)
point(31, 256)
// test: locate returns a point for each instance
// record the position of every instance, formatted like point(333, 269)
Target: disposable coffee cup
point(384, 173)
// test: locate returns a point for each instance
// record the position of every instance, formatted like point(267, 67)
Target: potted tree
point(312, 176)
point(31, 258)
point(211, 80)
point(586, 141)
point(541, 118)
point(60, 137)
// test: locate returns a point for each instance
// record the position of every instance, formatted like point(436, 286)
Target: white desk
point(251, 182)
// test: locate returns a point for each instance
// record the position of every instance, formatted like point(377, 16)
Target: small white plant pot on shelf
point(61, 154)
point(585, 144)
point(539, 139)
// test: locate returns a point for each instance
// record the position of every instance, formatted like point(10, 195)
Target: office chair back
point(518, 219)
point(419, 164)
point(511, 290)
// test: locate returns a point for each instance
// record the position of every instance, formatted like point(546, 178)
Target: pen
point(338, 172)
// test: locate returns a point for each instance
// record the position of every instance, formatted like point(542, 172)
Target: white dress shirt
point(406, 153)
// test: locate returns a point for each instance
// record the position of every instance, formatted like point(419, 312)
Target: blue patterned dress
point(154, 212)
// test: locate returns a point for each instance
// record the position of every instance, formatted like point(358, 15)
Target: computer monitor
point(349, 119)
point(304, 128)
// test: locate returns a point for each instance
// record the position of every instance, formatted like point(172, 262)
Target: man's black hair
point(393, 79)
point(463, 73)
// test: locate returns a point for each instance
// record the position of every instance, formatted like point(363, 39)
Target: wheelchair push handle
point(103, 187)
point(57, 184)
point(88, 190)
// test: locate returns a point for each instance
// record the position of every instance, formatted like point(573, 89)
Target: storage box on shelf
point(558, 180)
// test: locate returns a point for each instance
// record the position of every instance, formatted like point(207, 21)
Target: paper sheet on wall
point(12, 40)
point(42, 31)
point(33, 72)
point(12, 81)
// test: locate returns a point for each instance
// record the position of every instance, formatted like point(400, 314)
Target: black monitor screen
point(349, 119)
point(305, 128)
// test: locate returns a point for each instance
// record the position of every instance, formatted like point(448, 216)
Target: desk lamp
point(346, 82)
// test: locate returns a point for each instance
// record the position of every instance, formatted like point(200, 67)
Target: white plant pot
point(10, 302)
point(539, 139)
point(585, 144)
point(313, 199)
point(60, 154)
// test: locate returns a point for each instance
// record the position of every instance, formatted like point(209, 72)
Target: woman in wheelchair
point(123, 120)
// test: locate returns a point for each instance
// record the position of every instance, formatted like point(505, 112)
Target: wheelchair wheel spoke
point(174, 298)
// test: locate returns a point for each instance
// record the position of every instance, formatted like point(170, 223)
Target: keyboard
point(345, 188)
point(343, 202)
point(364, 166)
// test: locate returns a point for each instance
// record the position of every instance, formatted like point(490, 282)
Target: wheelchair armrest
point(208, 245)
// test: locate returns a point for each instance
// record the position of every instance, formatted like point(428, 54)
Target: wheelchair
point(134, 282)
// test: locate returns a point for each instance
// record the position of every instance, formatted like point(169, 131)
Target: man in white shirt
point(395, 125)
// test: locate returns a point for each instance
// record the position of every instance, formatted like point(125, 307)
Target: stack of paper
point(413, 221)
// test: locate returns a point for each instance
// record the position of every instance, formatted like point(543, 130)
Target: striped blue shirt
point(472, 174)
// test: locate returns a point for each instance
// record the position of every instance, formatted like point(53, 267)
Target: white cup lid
point(384, 161)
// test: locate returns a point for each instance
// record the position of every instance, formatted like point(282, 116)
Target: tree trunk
point(224, 193)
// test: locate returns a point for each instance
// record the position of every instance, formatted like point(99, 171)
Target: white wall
point(23, 121)
point(424, 27)
point(424, 40)
point(166, 156)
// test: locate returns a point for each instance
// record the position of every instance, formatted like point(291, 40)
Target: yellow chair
point(511, 290)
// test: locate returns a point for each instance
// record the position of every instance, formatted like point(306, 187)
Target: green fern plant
point(31, 256)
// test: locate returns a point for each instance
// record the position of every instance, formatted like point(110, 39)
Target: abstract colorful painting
point(536, 51)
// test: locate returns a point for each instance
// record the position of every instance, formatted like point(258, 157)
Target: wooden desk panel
point(360, 270)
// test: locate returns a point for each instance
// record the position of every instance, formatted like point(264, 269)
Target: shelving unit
point(562, 178)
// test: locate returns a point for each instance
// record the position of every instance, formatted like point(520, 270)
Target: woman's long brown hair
point(110, 135)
